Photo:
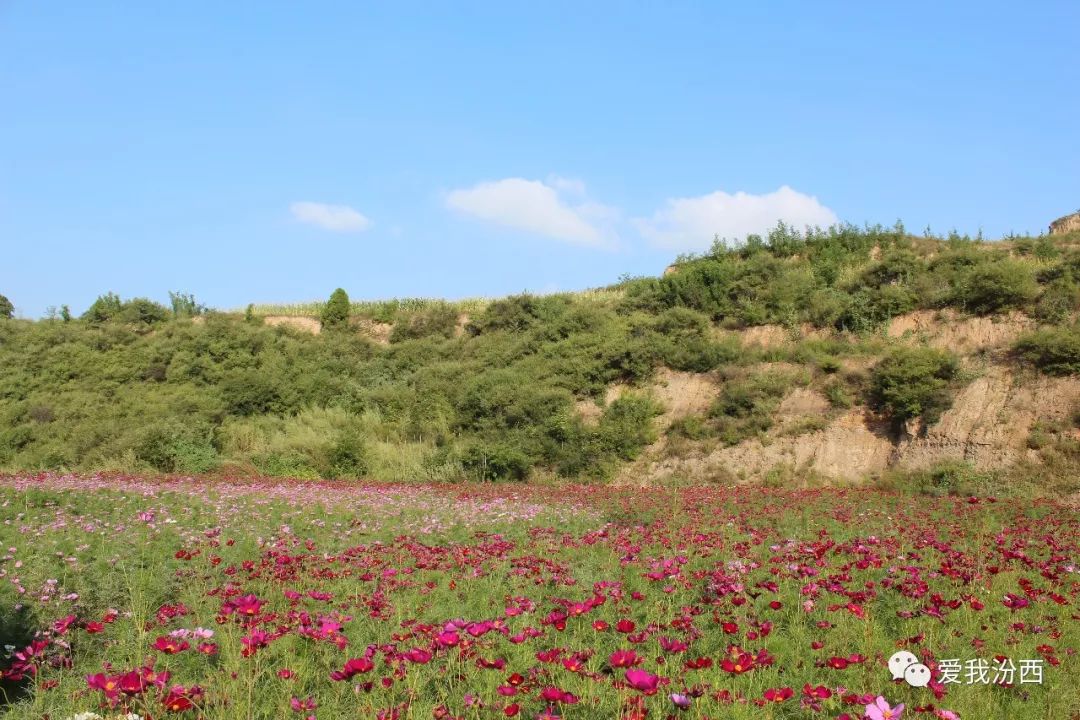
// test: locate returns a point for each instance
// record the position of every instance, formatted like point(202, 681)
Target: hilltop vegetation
point(496, 391)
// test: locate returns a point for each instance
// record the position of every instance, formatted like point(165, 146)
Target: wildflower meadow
point(153, 598)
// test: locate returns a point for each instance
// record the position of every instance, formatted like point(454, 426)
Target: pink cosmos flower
point(642, 681)
point(880, 710)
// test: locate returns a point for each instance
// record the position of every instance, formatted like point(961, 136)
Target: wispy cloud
point(336, 218)
point(691, 223)
point(538, 207)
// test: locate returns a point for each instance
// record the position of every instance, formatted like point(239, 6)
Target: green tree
point(105, 308)
point(336, 312)
point(184, 305)
point(914, 382)
point(6, 308)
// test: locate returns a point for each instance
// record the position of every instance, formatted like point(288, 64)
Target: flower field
point(195, 599)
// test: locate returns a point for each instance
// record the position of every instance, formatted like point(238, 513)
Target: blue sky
point(273, 151)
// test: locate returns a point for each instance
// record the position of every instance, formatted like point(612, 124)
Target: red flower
point(180, 699)
point(556, 695)
point(817, 693)
point(624, 659)
point(353, 667)
point(170, 646)
point(778, 695)
point(739, 664)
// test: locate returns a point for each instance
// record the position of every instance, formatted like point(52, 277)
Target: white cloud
point(538, 208)
point(337, 218)
point(567, 186)
point(690, 223)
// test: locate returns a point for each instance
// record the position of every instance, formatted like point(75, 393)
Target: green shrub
point(335, 313)
point(1055, 351)
point(869, 308)
point(185, 305)
point(347, 456)
point(699, 354)
point(914, 382)
point(252, 392)
point(1058, 300)
point(439, 320)
point(290, 465)
point(520, 313)
point(626, 425)
point(496, 460)
point(7, 310)
point(837, 394)
point(174, 447)
point(951, 477)
point(691, 427)
point(105, 308)
point(140, 311)
point(745, 407)
point(992, 287)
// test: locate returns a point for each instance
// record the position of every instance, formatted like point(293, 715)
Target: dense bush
point(914, 382)
point(106, 307)
point(991, 287)
point(745, 406)
point(175, 447)
point(439, 320)
point(1055, 351)
point(134, 386)
point(7, 310)
point(137, 311)
point(1058, 301)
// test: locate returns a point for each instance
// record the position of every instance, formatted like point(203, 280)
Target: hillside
point(848, 355)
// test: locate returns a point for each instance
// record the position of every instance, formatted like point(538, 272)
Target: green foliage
point(1058, 301)
point(945, 478)
point(914, 382)
point(496, 460)
point(745, 406)
point(251, 392)
point(439, 320)
point(992, 287)
point(521, 312)
point(105, 308)
point(335, 314)
point(1055, 351)
point(174, 447)
point(348, 456)
point(140, 311)
point(137, 311)
point(129, 387)
point(836, 392)
point(185, 305)
point(7, 310)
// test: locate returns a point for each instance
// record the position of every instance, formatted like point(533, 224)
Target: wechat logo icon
point(905, 665)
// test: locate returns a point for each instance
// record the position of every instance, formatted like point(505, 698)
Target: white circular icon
point(899, 662)
point(917, 675)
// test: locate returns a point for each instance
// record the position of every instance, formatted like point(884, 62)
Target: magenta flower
point(880, 710)
point(642, 681)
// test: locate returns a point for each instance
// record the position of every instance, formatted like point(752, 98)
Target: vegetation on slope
point(133, 385)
